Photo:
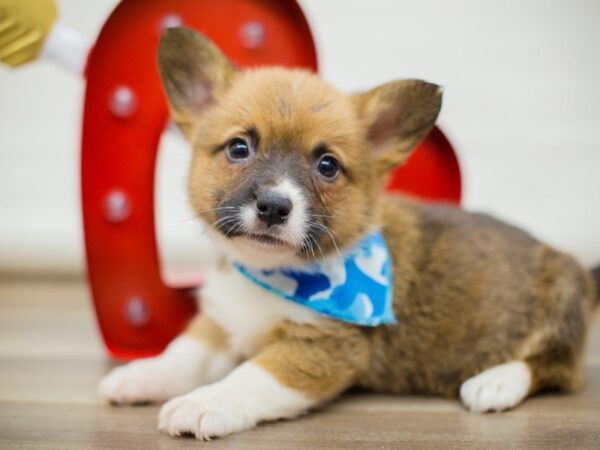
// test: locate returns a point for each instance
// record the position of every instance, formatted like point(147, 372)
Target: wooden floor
point(51, 360)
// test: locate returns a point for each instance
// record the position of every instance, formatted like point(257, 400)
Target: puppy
point(288, 173)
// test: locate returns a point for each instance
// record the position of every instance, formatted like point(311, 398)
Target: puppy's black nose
point(273, 208)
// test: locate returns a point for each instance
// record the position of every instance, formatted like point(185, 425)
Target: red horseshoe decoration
point(124, 116)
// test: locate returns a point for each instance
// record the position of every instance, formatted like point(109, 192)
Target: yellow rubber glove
point(24, 27)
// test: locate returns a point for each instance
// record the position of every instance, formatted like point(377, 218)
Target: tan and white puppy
point(286, 170)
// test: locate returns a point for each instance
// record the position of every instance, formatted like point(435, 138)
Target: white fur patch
point(296, 222)
point(246, 311)
point(248, 216)
point(185, 364)
point(498, 388)
point(248, 395)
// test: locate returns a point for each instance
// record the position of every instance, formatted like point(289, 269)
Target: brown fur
point(321, 362)
point(470, 291)
point(205, 329)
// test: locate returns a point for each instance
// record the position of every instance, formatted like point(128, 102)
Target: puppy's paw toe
point(132, 384)
point(497, 389)
point(203, 413)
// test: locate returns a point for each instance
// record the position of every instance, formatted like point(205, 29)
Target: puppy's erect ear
point(193, 72)
point(397, 116)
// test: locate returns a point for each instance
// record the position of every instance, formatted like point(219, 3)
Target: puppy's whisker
point(321, 251)
point(184, 219)
point(206, 230)
point(238, 227)
point(330, 232)
point(313, 242)
point(325, 227)
point(220, 208)
point(225, 224)
point(317, 244)
point(222, 222)
point(308, 245)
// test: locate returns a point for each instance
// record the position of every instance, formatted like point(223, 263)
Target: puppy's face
point(285, 168)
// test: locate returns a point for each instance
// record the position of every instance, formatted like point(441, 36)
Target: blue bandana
point(355, 287)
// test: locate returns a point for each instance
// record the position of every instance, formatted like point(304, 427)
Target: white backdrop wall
point(522, 107)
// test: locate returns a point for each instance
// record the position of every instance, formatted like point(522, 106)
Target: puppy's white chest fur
point(247, 312)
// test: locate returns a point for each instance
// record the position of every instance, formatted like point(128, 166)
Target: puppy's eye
point(328, 167)
point(237, 150)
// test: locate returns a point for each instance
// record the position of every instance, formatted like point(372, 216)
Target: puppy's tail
point(596, 275)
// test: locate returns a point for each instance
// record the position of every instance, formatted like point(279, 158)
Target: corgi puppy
point(288, 175)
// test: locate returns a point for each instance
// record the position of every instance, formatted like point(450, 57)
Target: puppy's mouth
point(243, 227)
point(267, 240)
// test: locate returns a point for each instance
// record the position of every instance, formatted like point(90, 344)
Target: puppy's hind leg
point(552, 358)
point(198, 356)
point(499, 388)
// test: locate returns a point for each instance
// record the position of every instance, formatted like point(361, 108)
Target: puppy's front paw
point(137, 382)
point(206, 412)
point(497, 389)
